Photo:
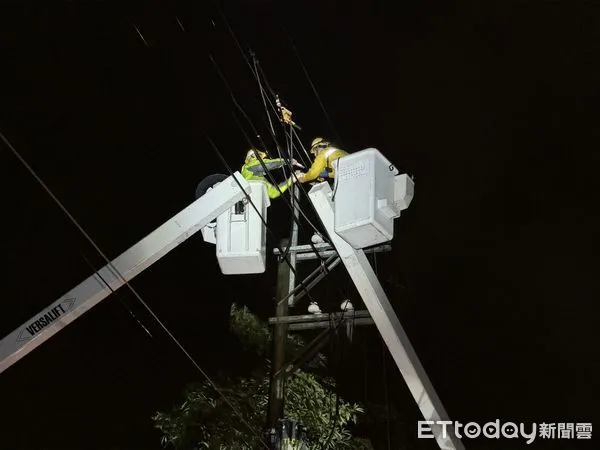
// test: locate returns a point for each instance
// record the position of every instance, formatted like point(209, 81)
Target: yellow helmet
point(252, 155)
point(318, 144)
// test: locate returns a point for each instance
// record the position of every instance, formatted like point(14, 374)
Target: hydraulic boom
point(121, 270)
point(358, 214)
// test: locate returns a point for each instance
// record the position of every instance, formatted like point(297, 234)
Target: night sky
point(493, 109)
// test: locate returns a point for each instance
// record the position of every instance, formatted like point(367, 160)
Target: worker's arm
point(318, 166)
point(257, 168)
point(273, 192)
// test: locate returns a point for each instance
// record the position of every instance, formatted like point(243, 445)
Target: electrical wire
point(257, 77)
point(233, 35)
point(130, 287)
point(285, 200)
point(236, 103)
point(260, 73)
point(239, 47)
point(133, 316)
point(300, 143)
point(309, 79)
point(294, 202)
point(245, 58)
point(241, 110)
point(220, 155)
point(333, 418)
point(275, 139)
point(128, 284)
point(266, 170)
point(262, 94)
point(336, 416)
point(291, 369)
point(241, 128)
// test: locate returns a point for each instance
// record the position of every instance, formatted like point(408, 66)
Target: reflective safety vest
point(324, 161)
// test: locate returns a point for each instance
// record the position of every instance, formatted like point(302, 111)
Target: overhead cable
point(220, 155)
point(314, 89)
point(268, 174)
point(130, 287)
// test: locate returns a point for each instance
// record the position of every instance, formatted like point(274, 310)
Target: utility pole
point(276, 394)
point(286, 281)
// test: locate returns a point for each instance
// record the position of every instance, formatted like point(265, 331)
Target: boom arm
point(125, 267)
point(387, 322)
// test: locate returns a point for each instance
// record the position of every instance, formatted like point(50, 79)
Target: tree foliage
point(204, 419)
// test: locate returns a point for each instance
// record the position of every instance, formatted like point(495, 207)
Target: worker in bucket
point(254, 170)
point(326, 157)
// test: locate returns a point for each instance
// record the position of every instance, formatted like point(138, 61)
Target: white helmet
point(318, 144)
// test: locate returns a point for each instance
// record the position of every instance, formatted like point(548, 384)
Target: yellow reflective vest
point(254, 171)
point(324, 162)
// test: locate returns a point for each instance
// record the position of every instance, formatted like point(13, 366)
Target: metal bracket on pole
point(326, 324)
point(311, 280)
point(387, 322)
point(319, 317)
point(313, 321)
point(306, 252)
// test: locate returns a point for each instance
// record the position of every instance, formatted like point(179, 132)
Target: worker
point(326, 157)
point(254, 170)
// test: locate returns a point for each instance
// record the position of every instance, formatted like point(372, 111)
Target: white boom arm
point(385, 319)
point(122, 269)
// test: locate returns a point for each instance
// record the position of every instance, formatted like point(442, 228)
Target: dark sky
point(492, 108)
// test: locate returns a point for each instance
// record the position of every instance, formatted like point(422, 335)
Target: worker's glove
point(297, 164)
point(298, 176)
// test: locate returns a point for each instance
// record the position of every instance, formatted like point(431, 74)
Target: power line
point(256, 75)
point(267, 172)
point(272, 130)
point(337, 405)
point(131, 288)
point(309, 79)
point(133, 316)
point(241, 110)
point(293, 133)
point(260, 73)
point(236, 103)
point(285, 200)
point(293, 45)
point(333, 418)
point(284, 257)
point(262, 94)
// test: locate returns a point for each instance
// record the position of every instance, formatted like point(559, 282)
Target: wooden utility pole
point(276, 394)
point(286, 280)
